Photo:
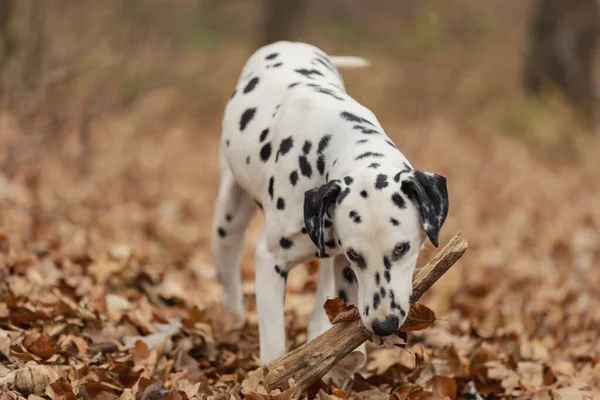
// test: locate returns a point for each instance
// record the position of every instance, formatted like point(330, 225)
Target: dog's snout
point(386, 327)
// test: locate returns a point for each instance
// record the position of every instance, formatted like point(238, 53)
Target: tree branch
point(311, 361)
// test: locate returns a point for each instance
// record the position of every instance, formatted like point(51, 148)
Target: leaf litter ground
point(108, 290)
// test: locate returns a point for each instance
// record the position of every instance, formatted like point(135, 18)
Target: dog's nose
point(386, 327)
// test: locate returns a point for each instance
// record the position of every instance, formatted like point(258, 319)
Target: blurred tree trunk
point(7, 37)
point(35, 43)
point(283, 20)
point(562, 41)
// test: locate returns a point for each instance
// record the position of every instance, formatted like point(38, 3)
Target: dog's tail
point(347, 62)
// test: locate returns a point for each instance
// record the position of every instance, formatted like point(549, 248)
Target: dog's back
point(274, 76)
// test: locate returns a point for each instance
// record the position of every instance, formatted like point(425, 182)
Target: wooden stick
point(312, 360)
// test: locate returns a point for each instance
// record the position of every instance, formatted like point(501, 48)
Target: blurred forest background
point(110, 114)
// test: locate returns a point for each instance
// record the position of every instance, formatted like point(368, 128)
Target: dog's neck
point(351, 160)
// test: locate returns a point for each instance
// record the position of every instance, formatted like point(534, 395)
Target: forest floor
point(108, 285)
point(108, 289)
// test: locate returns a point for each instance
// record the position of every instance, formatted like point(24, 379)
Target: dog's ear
point(316, 202)
point(429, 191)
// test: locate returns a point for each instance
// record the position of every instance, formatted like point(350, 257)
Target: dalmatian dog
point(331, 185)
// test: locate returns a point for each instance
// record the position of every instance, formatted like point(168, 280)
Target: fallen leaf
point(419, 318)
point(42, 347)
point(61, 390)
point(443, 387)
point(32, 379)
point(338, 312)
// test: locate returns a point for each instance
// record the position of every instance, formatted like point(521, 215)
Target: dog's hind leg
point(233, 210)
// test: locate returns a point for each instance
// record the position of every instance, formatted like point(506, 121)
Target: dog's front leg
point(271, 276)
point(318, 321)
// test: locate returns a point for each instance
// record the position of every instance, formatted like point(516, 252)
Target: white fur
point(305, 114)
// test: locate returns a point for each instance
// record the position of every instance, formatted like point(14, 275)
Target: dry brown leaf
point(61, 390)
point(419, 318)
point(443, 388)
point(338, 312)
point(42, 347)
point(383, 359)
point(33, 379)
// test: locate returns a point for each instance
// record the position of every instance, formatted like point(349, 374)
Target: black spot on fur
point(283, 273)
point(305, 168)
point(348, 180)
point(265, 152)
point(381, 182)
point(377, 279)
point(374, 165)
point(294, 177)
point(227, 143)
point(308, 72)
point(354, 118)
point(376, 301)
point(343, 195)
point(361, 141)
point(263, 134)
point(394, 221)
point(228, 218)
point(327, 177)
point(342, 295)
point(398, 200)
point(387, 276)
point(271, 56)
point(364, 194)
point(251, 85)
point(362, 264)
point(402, 312)
point(334, 162)
point(368, 154)
point(323, 143)
point(326, 60)
point(246, 118)
point(349, 275)
point(365, 130)
point(367, 311)
point(321, 164)
point(329, 92)
point(280, 203)
point(271, 184)
point(248, 160)
point(285, 243)
point(387, 262)
point(285, 146)
point(355, 217)
point(222, 233)
point(319, 60)
point(277, 65)
point(391, 144)
point(293, 85)
point(306, 147)
point(382, 292)
point(397, 177)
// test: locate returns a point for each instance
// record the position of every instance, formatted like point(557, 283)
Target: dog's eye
point(400, 248)
point(353, 255)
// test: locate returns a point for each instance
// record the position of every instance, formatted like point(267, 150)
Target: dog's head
point(380, 220)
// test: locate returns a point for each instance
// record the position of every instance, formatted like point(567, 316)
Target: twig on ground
point(314, 359)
